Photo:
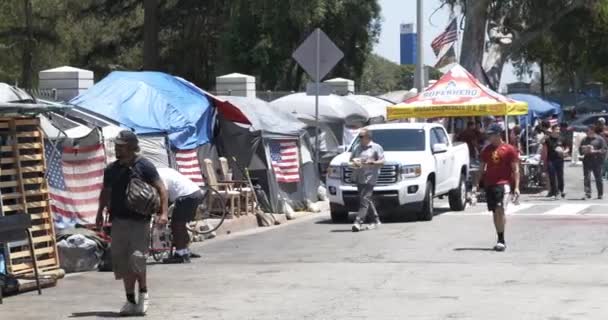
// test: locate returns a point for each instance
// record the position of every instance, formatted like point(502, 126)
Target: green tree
point(261, 35)
point(522, 21)
point(573, 51)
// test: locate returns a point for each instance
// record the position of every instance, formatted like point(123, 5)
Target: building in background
point(409, 40)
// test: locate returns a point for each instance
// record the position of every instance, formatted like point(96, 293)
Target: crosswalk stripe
point(540, 209)
point(567, 210)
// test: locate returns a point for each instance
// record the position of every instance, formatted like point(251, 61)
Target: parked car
point(581, 123)
point(420, 164)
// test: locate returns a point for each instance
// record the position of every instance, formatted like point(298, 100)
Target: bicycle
point(212, 210)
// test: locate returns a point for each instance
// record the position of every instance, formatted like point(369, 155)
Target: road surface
point(554, 268)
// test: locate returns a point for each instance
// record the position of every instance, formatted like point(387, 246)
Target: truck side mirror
point(440, 148)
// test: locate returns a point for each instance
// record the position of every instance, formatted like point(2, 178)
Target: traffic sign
point(317, 55)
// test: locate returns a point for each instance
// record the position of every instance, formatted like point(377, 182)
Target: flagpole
point(419, 47)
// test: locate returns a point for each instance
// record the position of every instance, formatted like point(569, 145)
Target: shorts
point(185, 207)
point(130, 243)
point(497, 196)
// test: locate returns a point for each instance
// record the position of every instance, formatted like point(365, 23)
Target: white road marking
point(567, 210)
point(544, 209)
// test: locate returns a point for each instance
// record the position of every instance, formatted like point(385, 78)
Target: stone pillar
point(341, 86)
point(68, 81)
point(235, 84)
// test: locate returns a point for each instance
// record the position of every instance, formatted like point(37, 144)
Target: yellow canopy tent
point(457, 94)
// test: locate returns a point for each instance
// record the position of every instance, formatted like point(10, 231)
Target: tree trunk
point(150, 35)
point(473, 41)
point(28, 48)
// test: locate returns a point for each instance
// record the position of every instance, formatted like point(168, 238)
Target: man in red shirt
point(499, 167)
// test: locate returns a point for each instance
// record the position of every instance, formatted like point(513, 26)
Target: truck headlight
point(412, 171)
point(334, 172)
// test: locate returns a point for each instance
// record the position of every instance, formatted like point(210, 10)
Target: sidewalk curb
point(233, 233)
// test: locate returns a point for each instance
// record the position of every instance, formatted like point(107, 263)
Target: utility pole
point(419, 78)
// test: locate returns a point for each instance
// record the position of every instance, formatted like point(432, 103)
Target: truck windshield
point(397, 139)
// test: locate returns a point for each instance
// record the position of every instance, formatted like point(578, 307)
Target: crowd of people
point(551, 143)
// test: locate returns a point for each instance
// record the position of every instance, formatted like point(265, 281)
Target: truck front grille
point(388, 174)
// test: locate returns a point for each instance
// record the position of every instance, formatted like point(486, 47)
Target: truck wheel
point(427, 212)
point(457, 197)
point(338, 213)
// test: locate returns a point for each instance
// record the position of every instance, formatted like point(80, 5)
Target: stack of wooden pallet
point(23, 190)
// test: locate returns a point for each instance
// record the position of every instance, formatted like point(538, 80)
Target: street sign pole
point(317, 55)
point(317, 80)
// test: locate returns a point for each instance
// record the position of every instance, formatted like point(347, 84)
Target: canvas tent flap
point(152, 102)
point(263, 117)
point(375, 107)
point(457, 94)
point(331, 107)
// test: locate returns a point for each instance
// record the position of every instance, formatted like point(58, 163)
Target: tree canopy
point(512, 26)
point(195, 39)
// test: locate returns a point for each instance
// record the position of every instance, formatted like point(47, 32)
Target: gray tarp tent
point(250, 143)
point(334, 111)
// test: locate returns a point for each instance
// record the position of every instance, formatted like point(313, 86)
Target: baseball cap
point(127, 137)
point(489, 118)
point(494, 129)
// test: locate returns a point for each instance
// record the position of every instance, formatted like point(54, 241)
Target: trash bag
point(78, 253)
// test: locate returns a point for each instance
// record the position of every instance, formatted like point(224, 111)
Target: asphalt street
point(554, 268)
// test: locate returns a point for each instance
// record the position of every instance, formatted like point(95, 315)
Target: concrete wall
point(68, 81)
point(235, 84)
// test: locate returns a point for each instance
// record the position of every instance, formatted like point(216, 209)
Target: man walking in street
point(499, 167)
point(555, 162)
point(367, 158)
point(593, 149)
point(186, 196)
point(130, 229)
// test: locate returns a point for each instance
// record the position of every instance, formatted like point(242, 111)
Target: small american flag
point(446, 37)
point(285, 161)
point(75, 178)
point(188, 165)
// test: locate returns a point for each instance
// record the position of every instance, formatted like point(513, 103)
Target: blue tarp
point(152, 102)
point(537, 107)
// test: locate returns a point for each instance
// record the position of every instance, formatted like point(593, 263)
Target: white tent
point(375, 107)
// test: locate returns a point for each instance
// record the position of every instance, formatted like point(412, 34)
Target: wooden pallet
point(24, 190)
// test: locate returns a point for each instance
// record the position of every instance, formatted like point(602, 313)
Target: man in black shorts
point(186, 197)
point(499, 167)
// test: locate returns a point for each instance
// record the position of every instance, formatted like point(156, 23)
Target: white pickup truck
point(420, 164)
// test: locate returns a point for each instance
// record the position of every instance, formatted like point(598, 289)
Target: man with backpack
point(132, 192)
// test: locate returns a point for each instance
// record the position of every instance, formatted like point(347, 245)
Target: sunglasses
point(361, 137)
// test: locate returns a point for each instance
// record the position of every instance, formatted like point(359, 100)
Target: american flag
point(188, 165)
point(75, 178)
point(446, 37)
point(285, 162)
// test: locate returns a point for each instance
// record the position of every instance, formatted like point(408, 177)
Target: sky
point(395, 12)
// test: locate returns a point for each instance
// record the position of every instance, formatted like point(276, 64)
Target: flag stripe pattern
point(75, 177)
point(446, 37)
point(285, 161)
point(188, 165)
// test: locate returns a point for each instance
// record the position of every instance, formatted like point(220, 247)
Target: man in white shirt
point(186, 196)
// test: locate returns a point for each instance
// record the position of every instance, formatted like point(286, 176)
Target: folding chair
point(241, 186)
point(16, 228)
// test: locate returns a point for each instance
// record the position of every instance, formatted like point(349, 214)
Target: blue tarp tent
point(537, 107)
point(152, 102)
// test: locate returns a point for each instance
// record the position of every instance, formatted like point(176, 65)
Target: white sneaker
point(500, 247)
point(128, 309)
point(142, 303)
point(356, 227)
